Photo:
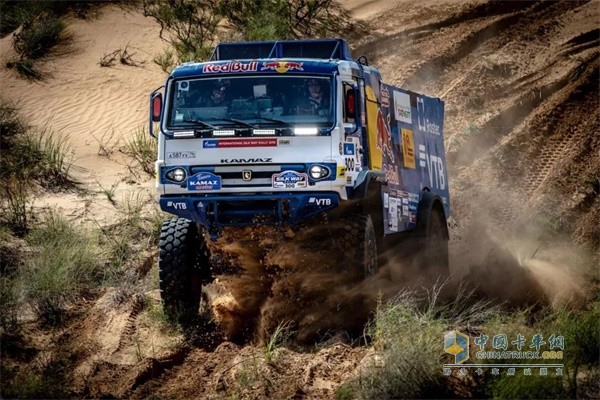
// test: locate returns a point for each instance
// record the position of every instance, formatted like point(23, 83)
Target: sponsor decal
point(204, 181)
point(233, 66)
point(349, 149)
point(424, 123)
point(289, 180)
point(385, 97)
point(384, 137)
point(245, 160)
point(226, 143)
point(319, 202)
point(412, 218)
point(408, 148)
point(405, 210)
point(177, 205)
point(282, 66)
point(181, 154)
point(435, 168)
point(284, 142)
point(341, 171)
point(402, 109)
point(391, 174)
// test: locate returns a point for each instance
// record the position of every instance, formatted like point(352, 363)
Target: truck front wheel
point(182, 263)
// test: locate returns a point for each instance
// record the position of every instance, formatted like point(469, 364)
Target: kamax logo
point(245, 160)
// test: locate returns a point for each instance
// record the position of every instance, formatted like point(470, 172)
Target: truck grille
point(234, 176)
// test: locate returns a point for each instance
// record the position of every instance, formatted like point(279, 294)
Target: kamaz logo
point(203, 183)
point(319, 202)
point(245, 160)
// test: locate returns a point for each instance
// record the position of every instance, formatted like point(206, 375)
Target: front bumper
point(217, 211)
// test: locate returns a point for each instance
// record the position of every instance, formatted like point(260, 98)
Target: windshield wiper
point(199, 122)
point(279, 121)
point(237, 121)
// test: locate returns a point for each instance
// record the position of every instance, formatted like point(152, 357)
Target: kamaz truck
point(283, 132)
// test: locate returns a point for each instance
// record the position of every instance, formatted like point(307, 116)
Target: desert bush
point(17, 207)
point(143, 149)
point(283, 19)
point(29, 154)
point(406, 336)
point(191, 27)
point(64, 260)
point(166, 60)
point(38, 37)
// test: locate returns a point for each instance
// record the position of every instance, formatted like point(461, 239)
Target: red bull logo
point(384, 137)
point(282, 66)
point(234, 66)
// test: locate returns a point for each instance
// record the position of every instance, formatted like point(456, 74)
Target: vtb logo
point(247, 175)
point(457, 344)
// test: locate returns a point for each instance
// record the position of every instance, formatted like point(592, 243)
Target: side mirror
point(350, 103)
point(156, 107)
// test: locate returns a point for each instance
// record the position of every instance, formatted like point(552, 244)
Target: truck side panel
point(410, 137)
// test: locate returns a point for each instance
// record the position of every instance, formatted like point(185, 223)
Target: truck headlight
point(317, 172)
point(177, 175)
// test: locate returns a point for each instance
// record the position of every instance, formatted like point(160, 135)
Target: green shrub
point(29, 154)
point(64, 260)
point(38, 37)
point(191, 27)
point(166, 61)
point(17, 207)
point(143, 149)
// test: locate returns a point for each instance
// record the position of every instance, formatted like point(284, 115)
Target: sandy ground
point(520, 82)
point(96, 109)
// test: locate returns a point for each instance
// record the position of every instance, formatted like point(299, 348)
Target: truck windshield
point(273, 101)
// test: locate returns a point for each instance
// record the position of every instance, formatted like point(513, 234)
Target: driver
point(315, 101)
point(218, 95)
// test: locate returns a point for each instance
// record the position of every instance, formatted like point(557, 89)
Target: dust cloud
point(303, 279)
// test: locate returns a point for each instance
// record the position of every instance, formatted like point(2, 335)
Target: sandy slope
point(96, 109)
point(520, 82)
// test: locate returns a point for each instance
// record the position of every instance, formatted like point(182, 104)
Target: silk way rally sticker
point(289, 180)
point(204, 181)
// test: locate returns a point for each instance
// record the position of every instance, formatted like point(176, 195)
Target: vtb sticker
point(289, 180)
point(204, 181)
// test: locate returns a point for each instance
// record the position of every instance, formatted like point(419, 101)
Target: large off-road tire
point(364, 244)
point(435, 246)
point(183, 265)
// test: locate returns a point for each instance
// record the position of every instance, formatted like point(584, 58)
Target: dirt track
point(520, 82)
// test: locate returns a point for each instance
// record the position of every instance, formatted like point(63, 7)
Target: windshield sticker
point(234, 66)
point(204, 181)
point(216, 143)
point(282, 66)
point(289, 180)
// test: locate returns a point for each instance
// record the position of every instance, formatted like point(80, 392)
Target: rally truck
point(237, 148)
